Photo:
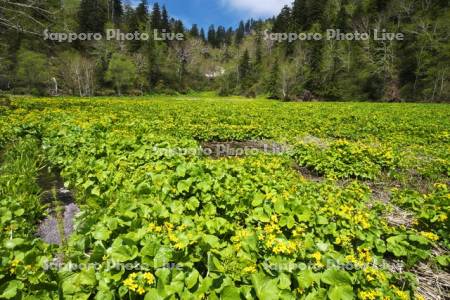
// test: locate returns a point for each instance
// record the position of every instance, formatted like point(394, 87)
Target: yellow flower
point(149, 278)
point(250, 269)
point(173, 238)
point(270, 240)
point(179, 246)
point(374, 274)
point(419, 296)
point(318, 257)
point(443, 217)
point(154, 228)
point(362, 219)
point(429, 235)
point(364, 255)
point(402, 295)
point(169, 226)
point(15, 263)
point(130, 283)
point(283, 247)
point(140, 290)
point(369, 295)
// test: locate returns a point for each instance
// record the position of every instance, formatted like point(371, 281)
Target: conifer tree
point(240, 33)
point(245, 71)
point(142, 12)
point(165, 19)
point(220, 36)
point(283, 20)
point(156, 19)
point(92, 16)
point(202, 35)
point(212, 36)
point(194, 31)
point(229, 36)
point(273, 86)
point(117, 11)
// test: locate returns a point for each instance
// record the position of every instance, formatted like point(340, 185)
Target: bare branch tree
point(26, 16)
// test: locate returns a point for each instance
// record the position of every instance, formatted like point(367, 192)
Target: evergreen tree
point(117, 11)
point(142, 12)
point(178, 27)
point(248, 26)
point(299, 14)
point(258, 51)
point(220, 36)
point(212, 36)
point(156, 19)
point(92, 16)
point(134, 26)
point(202, 35)
point(315, 10)
point(165, 19)
point(273, 86)
point(245, 71)
point(194, 31)
point(283, 20)
point(240, 33)
point(229, 36)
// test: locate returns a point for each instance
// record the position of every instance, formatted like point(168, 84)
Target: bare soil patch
point(307, 173)
point(218, 149)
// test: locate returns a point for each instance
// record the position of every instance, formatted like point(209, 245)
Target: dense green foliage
point(414, 69)
point(231, 228)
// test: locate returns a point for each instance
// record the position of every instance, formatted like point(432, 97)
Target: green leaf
point(123, 253)
point(290, 222)
point(320, 294)
point(321, 220)
point(183, 186)
point(397, 245)
point(336, 277)
point(10, 289)
point(284, 282)
point(341, 292)
point(443, 260)
point(192, 279)
point(13, 243)
point(258, 200)
point(153, 294)
point(307, 277)
point(265, 288)
point(181, 171)
point(101, 233)
point(420, 239)
point(380, 245)
point(212, 240)
point(162, 257)
point(96, 191)
point(192, 204)
point(230, 293)
point(144, 188)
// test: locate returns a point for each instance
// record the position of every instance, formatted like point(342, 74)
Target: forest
point(146, 157)
point(239, 60)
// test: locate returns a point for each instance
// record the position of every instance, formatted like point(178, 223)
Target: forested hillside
point(232, 61)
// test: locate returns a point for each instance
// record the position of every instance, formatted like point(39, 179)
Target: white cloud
point(258, 8)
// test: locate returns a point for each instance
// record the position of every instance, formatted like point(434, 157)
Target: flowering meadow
point(355, 206)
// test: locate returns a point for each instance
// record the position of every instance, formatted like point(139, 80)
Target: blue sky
point(220, 12)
